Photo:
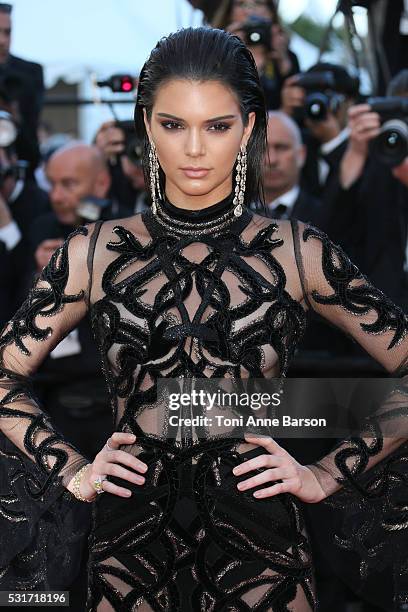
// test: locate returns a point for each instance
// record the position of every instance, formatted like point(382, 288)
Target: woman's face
point(242, 9)
point(198, 130)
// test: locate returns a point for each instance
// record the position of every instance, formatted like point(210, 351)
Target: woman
point(196, 287)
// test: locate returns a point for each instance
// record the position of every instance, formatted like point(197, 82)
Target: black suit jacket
point(310, 180)
point(30, 100)
point(306, 208)
point(5, 283)
point(370, 222)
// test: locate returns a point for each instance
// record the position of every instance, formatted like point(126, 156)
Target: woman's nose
point(194, 143)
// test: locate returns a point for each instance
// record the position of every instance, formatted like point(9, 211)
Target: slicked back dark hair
point(207, 54)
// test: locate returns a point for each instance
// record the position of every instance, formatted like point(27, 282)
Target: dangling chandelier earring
point(240, 181)
point(154, 176)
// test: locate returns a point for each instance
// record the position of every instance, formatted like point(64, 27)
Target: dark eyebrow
point(207, 121)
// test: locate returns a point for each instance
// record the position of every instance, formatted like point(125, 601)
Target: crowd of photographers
point(334, 159)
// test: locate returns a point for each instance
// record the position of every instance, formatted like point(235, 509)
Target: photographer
point(22, 83)
point(319, 100)
point(370, 211)
point(123, 154)
point(21, 202)
point(257, 23)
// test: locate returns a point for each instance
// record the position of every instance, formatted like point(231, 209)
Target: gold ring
point(97, 484)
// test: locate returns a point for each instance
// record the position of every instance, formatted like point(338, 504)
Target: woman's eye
point(220, 127)
point(171, 125)
point(216, 127)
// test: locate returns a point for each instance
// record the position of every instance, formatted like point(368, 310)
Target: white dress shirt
point(10, 234)
point(288, 199)
point(328, 147)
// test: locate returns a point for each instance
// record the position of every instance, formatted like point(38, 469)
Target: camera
point(133, 146)
point(257, 31)
point(322, 96)
point(391, 145)
point(8, 129)
point(91, 208)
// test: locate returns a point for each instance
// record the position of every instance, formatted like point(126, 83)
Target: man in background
point(23, 83)
point(283, 165)
point(21, 202)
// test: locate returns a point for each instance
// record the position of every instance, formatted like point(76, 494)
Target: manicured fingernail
point(257, 493)
point(128, 493)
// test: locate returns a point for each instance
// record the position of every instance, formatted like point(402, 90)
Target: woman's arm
point(334, 287)
point(57, 301)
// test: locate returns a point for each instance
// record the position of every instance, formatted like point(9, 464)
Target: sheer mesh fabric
point(41, 523)
point(162, 305)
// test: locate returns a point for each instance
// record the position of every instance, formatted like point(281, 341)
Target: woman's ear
point(146, 122)
point(248, 128)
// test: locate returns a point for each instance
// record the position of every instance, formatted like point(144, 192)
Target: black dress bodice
point(188, 294)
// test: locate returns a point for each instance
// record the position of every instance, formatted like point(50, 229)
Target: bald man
point(283, 163)
point(76, 171)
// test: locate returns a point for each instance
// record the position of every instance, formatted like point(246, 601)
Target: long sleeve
point(365, 475)
point(36, 461)
point(335, 289)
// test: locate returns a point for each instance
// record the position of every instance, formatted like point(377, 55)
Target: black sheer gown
point(185, 294)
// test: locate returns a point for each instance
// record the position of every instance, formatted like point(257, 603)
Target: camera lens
point(255, 37)
point(392, 140)
point(316, 106)
point(391, 146)
point(8, 130)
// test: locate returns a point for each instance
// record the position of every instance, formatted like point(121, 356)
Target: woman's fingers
point(265, 441)
point(119, 456)
point(108, 463)
point(280, 487)
point(113, 469)
point(266, 476)
point(110, 487)
point(249, 465)
point(120, 437)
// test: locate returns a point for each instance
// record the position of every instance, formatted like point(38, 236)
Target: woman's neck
point(187, 201)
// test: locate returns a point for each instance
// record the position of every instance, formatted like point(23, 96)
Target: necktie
point(280, 211)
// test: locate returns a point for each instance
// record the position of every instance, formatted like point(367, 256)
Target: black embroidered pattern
point(35, 521)
point(170, 306)
point(372, 505)
point(221, 540)
point(339, 272)
point(43, 301)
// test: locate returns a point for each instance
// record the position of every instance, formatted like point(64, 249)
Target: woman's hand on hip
point(109, 462)
point(279, 465)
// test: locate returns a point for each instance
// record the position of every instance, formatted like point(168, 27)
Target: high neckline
point(209, 213)
point(213, 220)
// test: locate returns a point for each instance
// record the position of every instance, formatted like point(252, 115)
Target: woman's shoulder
point(133, 224)
point(279, 226)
